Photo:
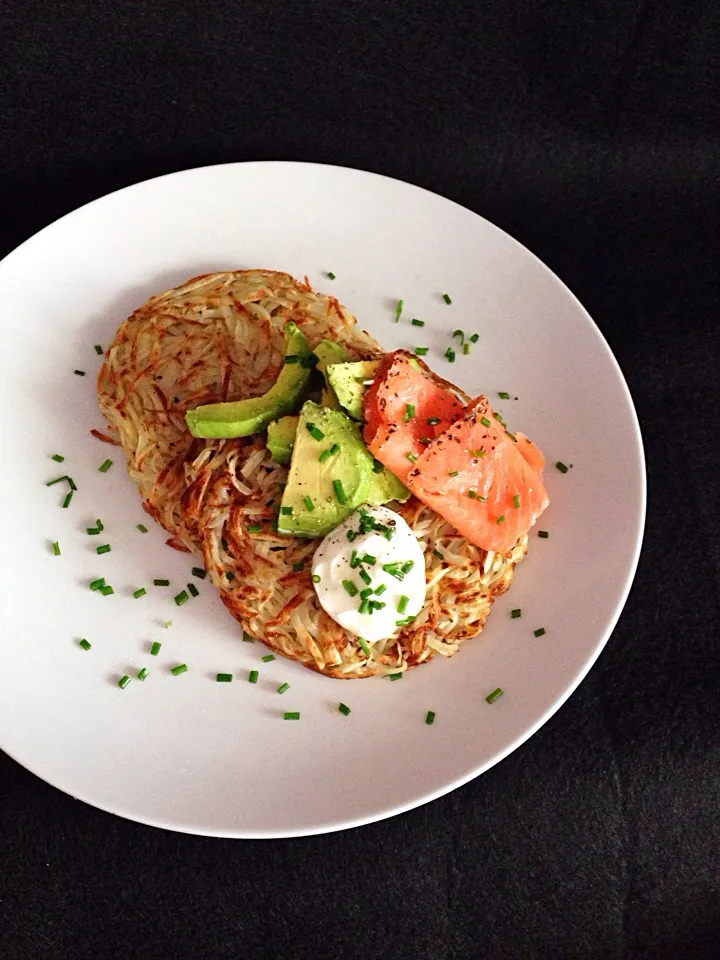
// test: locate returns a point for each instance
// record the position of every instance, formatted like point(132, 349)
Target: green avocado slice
point(240, 418)
point(281, 438)
point(349, 381)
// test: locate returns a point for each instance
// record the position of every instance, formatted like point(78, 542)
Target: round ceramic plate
point(188, 753)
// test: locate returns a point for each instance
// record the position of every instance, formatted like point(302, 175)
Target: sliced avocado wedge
point(349, 381)
point(327, 352)
point(385, 486)
point(281, 438)
point(330, 474)
point(240, 418)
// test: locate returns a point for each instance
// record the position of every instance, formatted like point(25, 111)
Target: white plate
point(188, 753)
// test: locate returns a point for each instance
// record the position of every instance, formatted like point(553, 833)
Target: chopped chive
point(411, 456)
point(472, 494)
point(155, 648)
point(364, 607)
point(478, 452)
point(389, 533)
point(105, 548)
point(458, 334)
point(436, 553)
point(98, 349)
point(394, 570)
point(330, 275)
point(450, 355)
point(230, 575)
point(68, 498)
point(417, 323)
point(344, 709)
point(503, 395)
point(433, 421)
point(106, 590)
point(309, 505)
point(91, 531)
point(79, 373)
point(339, 492)
point(181, 597)
point(298, 566)
point(446, 298)
point(180, 668)
point(286, 511)
point(291, 715)
point(466, 349)
point(223, 678)
point(268, 657)
point(377, 466)
point(283, 687)
point(254, 528)
point(350, 587)
point(291, 358)
point(474, 338)
point(367, 592)
point(105, 466)
point(143, 673)
point(140, 592)
point(363, 646)
point(198, 572)
point(516, 613)
point(398, 310)
point(402, 604)
point(141, 527)
point(420, 351)
point(324, 456)
point(407, 566)
point(561, 466)
point(247, 638)
point(543, 534)
point(97, 584)
point(335, 448)
point(354, 559)
point(57, 457)
point(395, 676)
point(99, 525)
point(381, 589)
point(123, 681)
point(253, 676)
point(369, 559)
point(484, 421)
point(501, 518)
point(430, 717)
point(193, 589)
point(492, 697)
point(377, 605)
point(314, 432)
point(315, 578)
point(409, 412)
point(52, 483)
point(85, 644)
point(453, 473)
point(540, 632)
point(364, 576)
point(516, 501)
point(351, 534)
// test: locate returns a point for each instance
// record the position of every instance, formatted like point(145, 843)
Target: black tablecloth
point(590, 132)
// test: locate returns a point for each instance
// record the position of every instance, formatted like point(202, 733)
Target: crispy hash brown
point(220, 337)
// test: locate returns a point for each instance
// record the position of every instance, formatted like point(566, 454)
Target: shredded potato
point(220, 337)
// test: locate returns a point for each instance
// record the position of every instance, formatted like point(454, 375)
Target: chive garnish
point(354, 559)
point(563, 468)
point(57, 457)
point(350, 587)
point(193, 589)
point(324, 456)
point(254, 528)
point(98, 349)
point(286, 511)
point(446, 298)
point(478, 452)
point(51, 483)
point(180, 668)
point(79, 373)
point(364, 607)
point(402, 604)
point(407, 566)
point(466, 349)
point(420, 351)
point(198, 572)
point(516, 613)
point(314, 431)
point(381, 589)
point(330, 275)
point(540, 632)
point(492, 697)
point(411, 456)
point(503, 395)
point(85, 644)
point(364, 576)
point(430, 717)
point(474, 338)
point(484, 421)
point(417, 323)
point(363, 646)
point(501, 518)
point(253, 676)
point(105, 466)
point(369, 559)
point(181, 598)
point(315, 578)
point(339, 492)
point(472, 494)
point(450, 355)
point(105, 548)
point(106, 590)
point(123, 681)
point(543, 534)
point(395, 676)
point(91, 531)
point(140, 592)
point(143, 673)
point(453, 473)
point(155, 648)
point(291, 715)
point(516, 501)
point(458, 334)
point(96, 584)
point(161, 583)
point(344, 709)
point(436, 553)
point(309, 505)
point(268, 657)
point(141, 527)
point(409, 412)
point(367, 592)
point(351, 534)
point(68, 498)
point(283, 687)
point(223, 678)
point(398, 310)
point(298, 565)
point(377, 466)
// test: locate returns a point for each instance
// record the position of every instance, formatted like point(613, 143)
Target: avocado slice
point(348, 380)
point(327, 352)
point(311, 505)
point(240, 418)
point(281, 438)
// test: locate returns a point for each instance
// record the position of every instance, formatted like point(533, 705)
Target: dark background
point(590, 132)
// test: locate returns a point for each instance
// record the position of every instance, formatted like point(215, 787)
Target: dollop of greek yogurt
point(369, 573)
